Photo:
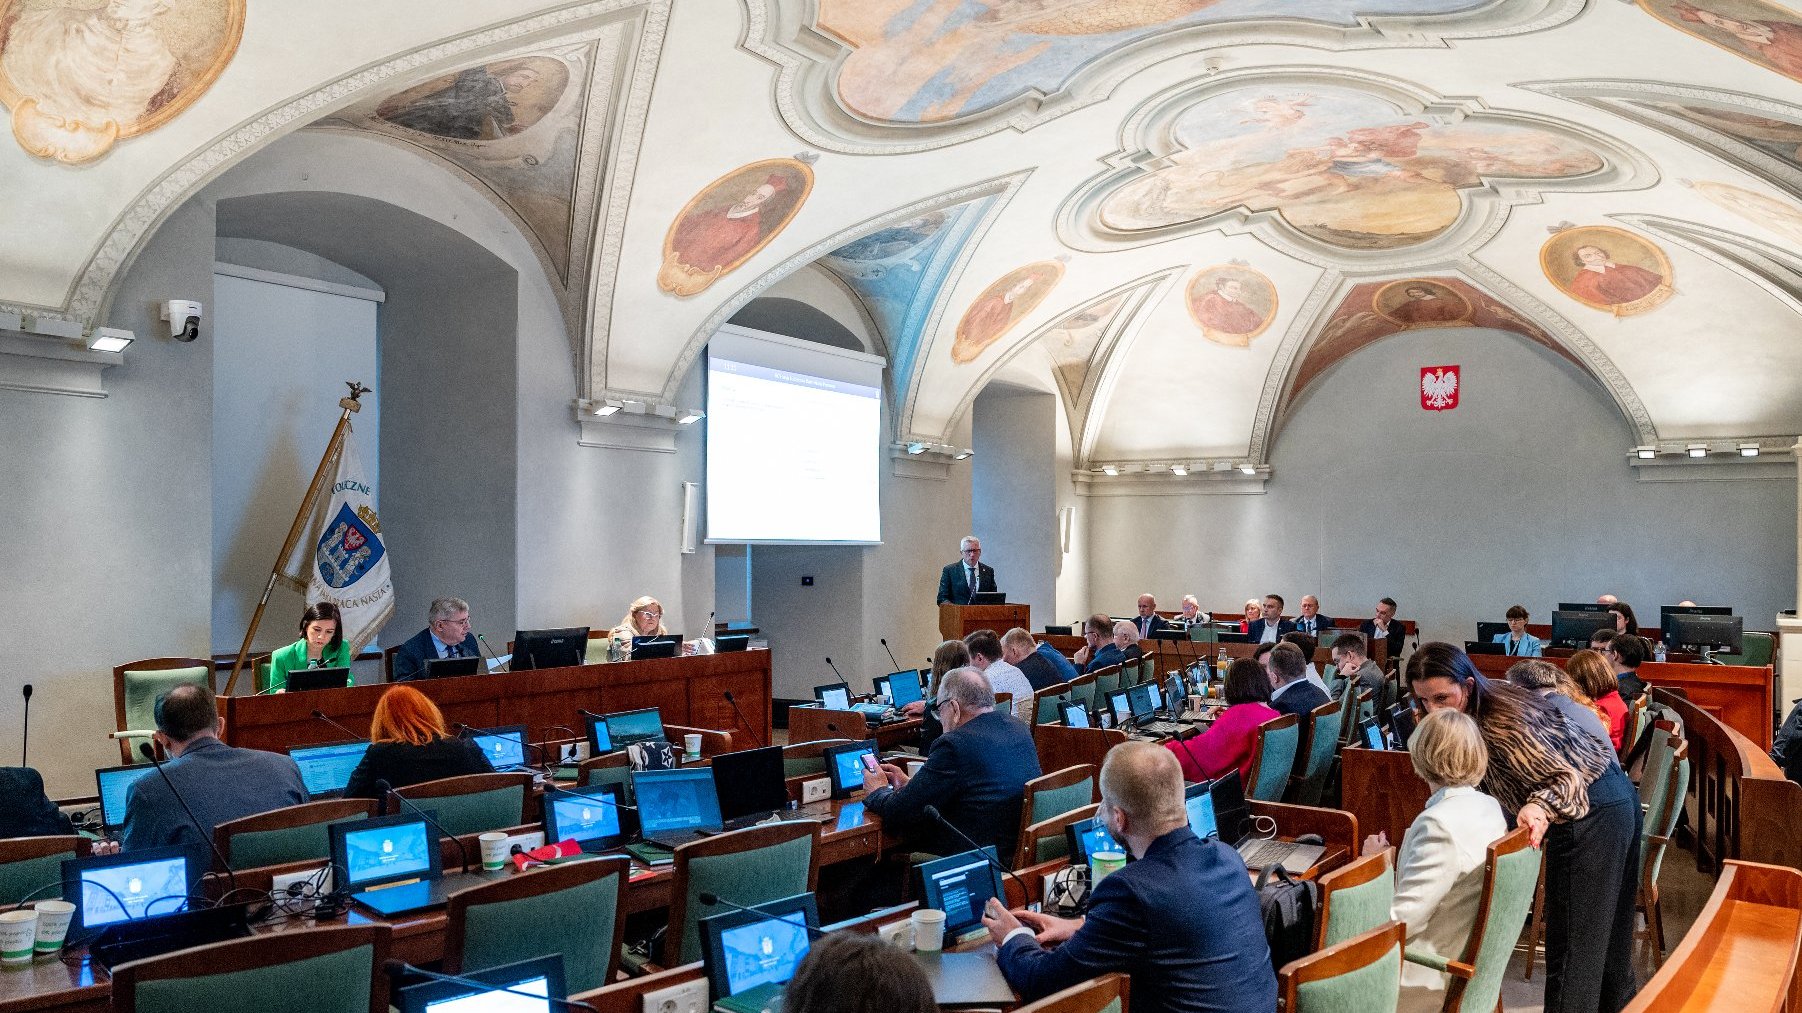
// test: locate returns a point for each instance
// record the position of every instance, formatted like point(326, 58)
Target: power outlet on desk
point(688, 997)
point(816, 790)
point(526, 841)
point(279, 887)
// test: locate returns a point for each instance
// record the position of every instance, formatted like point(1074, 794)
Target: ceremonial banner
point(1439, 388)
point(341, 558)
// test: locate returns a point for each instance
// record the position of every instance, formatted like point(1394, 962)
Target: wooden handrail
point(1745, 808)
point(1741, 951)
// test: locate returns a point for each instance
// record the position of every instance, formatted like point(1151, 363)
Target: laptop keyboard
point(1262, 853)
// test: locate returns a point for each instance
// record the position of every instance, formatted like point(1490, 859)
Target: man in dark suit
point(1144, 919)
point(958, 581)
point(1385, 627)
point(1310, 621)
point(975, 774)
point(1290, 690)
point(1019, 650)
point(1270, 626)
point(446, 635)
point(1148, 621)
point(25, 811)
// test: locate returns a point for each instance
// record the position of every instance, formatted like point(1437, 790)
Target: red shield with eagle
point(1439, 388)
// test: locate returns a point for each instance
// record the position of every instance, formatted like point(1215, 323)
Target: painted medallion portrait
point(79, 76)
point(1778, 215)
point(1231, 304)
point(730, 220)
point(484, 103)
point(1417, 303)
point(1001, 305)
point(1607, 269)
point(1763, 33)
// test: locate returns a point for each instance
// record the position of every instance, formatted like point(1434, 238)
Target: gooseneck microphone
point(388, 790)
point(933, 811)
point(891, 654)
point(398, 970)
point(743, 720)
point(841, 677)
point(491, 655)
point(148, 752)
point(715, 900)
point(25, 740)
point(319, 715)
point(602, 799)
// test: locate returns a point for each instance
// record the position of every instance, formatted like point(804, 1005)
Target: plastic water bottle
point(1658, 655)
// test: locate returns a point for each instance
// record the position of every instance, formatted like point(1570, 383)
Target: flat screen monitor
point(302, 680)
point(1581, 606)
point(1198, 802)
point(1487, 632)
point(115, 788)
point(904, 687)
point(845, 764)
point(1665, 612)
point(505, 747)
point(631, 727)
point(448, 668)
point(727, 643)
point(834, 695)
point(1572, 628)
point(744, 950)
point(1720, 633)
point(564, 648)
point(600, 740)
point(1086, 837)
point(1484, 647)
point(1139, 698)
point(325, 770)
point(1120, 702)
point(1372, 734)
point(1073, 714)
point(387, 849)
point(1401, 722)
point(592, 817)
point(108, 889)
point(1176, 690)
point(1203, 633)
point(960, 886)
point(528, 986)
point(750, 781)
point(1060, 631)
point(662, 646)
point(682, 798)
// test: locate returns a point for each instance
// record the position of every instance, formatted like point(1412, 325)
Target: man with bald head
point(1145, 919)
point(1310, 621)
point(1149, 621)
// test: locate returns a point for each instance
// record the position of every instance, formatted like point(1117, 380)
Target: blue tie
point(452, 652)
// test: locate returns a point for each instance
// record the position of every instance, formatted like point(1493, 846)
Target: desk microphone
point(1025, 894)
point(148, 752)
point(841, 678)
point(398, 970)
point(320, 715)
point(491, 656)
point(387, 790)
point(891, 654)
point(743, 720)
point(548, 729)
point(711, 900)
point(25, 740)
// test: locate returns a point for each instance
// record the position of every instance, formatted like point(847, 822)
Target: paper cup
point(929, 930)
point(1103, 862)
point(53, 924)
point(914, 767)
point(691, 744)
point(18, 933)
point(494, 850)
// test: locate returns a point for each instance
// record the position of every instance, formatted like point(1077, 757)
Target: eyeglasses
point(653, 615)
point(939, 706)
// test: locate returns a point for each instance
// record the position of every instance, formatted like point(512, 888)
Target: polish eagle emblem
point(1439, 388)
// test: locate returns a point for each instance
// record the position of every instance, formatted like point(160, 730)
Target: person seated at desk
point(1439, 870)
point(1191, 611)
point(446, 635)
point(25, 811)
point(1149, 621)
point(1228, 742)
point(850, 972)
point(1254, 611)
point(643, 619)
point(959, 581)
point(975, 774)
point(408, 744)
point(1308, 645)
point(321, 645)
point(1290, 690)
point(1311, 621)
point(1181, 920)
point(1624, 620)
point(1355, 668)
point(1555, 686)
point(1591, 672)
point(1019, 650)
point(949, 654)
point(1270, 625)
point(1099, 651)
point(1065, 668)
point(1628, 652)
point(1518, 642)
point(218, 782)
point(986, 657)
point(1385, 626)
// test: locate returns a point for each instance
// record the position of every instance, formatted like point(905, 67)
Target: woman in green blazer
point(321, 645)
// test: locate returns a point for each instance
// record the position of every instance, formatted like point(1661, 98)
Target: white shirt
point(1438, 881)
point(1005, 678)
point(1284, 688)
point(1269, 636)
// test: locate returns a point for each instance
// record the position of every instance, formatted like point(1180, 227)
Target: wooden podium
point(959, 621)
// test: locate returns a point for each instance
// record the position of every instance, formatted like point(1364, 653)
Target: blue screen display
point(1201, 813)
point(960, 886)
point(583, 819)
point(114, 786)
point(1095, 838)
point(762, 953)
point(851, 816)
point(635, 726)
point(499, 1002)
point(325, 770)
point(505, 748)
point(1373, 737)
point(1076, 717)
point(904, 688)
point(599, 739)
point(1121, 702)
point(1177, 690)
point(384, 853)
point(155, 887)
point(683, 799)
point(1155, 695)
point(847, 768)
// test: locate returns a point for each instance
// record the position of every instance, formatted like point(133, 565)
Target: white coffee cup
point(914, 767)
point(18, 933)
point(494, 850)
point(53, 924)
point(691, 744)
point(929, 930)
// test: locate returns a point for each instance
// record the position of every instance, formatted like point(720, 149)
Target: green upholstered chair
point(321, 970)
point(1348, 712)
point(1056, 793)
point(1755, 651)
point(576, 909)
point(751, 866)
point(472, 803)
point(1273, 758)
point(1355, 899)
point(1106, 994)
point(1082, 690)
point(1148, 669)
point(31, 867)
point(1510, 874)
point(296, 833)
point(1363, 973)
point(1316, 765)
point(1046, 839)
point(1107, 680)
point(608, 768)
point(808, 759)
point(1045, 702)
point(136, 687)
point(1662, 813)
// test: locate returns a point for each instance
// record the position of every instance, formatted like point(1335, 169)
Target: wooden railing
point(1744, 807)
point(1741, 952)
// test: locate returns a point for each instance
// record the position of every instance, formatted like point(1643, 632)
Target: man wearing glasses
point(447, 635)
point(960, 581)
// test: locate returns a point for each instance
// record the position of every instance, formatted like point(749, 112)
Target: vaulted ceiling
point(1176, 213)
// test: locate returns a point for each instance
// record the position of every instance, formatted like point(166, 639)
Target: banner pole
point(350, 406)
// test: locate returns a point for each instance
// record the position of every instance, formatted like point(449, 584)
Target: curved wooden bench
point(1740, 955)
point(1745, 808)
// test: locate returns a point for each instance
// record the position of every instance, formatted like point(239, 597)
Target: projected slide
point(791, 457)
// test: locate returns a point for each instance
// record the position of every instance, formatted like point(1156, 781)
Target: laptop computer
point(447, 668)
point(326, 769)
point(526, 986)
point(1060, 631)
point(304, 679)
point(834, 695)
point(1086, 837)
point(726, 643)
point(505, 746)
point(750, 785)
point(644, 648)
point(904, 687)
point(1147, 702)
point(390, 864)
point(631, 727)
point(114, 785)
point(1225, 806)
point(1482, 647)
point(960, 886)
point(1073, 714)
point(591, 817)
point(845, 765)
point(751, 955)
point(676, 806)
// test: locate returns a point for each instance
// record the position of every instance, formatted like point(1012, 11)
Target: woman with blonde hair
point(643, 619)
point(1591, 671)
point(408, 744)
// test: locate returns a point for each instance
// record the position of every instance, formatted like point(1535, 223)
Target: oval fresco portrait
point(1416, 302)
point(484, 103)
point(1606, 268)
point(1231, 304)
point(80, 76)
point(1001, 305)
point(730, 220)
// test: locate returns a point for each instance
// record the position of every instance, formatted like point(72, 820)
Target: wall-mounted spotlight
point(606, 408)
point(916, 448)
point(1110, 470)
point(1697, 450)
point(1179, 470)
point(1748, 450)
point(689, 416)
point(1645, 453)
point(1248, 469)
point(963, 455)
point(109, 339)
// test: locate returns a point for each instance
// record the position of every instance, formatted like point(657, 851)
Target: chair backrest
point(1348, 713)
point(805, 759)
point(1510, 878)
point(1322, 746)
point(1273, 757)
point(136, 687)
point(1046, 839)
point(1082, 690)
point(1045, 702)
point(1355, 899)
point(328, 970)
point(1656, 771)
point(576, 909)
point(259, 672)
point(749, 867)
point(1106, 994)
point(296, 833)
point(1107, 680)
point(1636, 721)
point(1755, 650)
point(472, 803)
point(599, 649)
point(388, 662)
point(1363, 973)
point(32, 867)
point(1148, 668)
point(1661, 820)
point(1057, 793)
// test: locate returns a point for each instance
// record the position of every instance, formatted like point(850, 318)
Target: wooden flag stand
point(351, 406)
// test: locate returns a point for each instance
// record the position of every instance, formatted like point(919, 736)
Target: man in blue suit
point(975, 774)
point(1182, 921)
point(1310, 621)
point(1148, 621)
point(446, 635)
point(958, 581)
point(1270, 627)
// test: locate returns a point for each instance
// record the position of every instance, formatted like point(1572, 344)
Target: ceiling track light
point(1645, 453)
point(1748, 450)
point(1697, 450)
point(1109, 470)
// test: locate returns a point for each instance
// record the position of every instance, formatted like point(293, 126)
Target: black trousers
point(1591, 884)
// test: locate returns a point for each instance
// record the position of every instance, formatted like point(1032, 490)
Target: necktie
point(972, 580)
point(452, 652)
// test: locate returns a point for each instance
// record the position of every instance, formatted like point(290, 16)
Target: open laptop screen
point(532, 987)
point(960, 886)
point(679, 799)
point(904, 687)
point(750, 781)
point(1120, 702)
point(108, 889)
point(390, 849)
point(1198, 801)
point(115, 785)
point(834, 696)
point(505, 747)
point(628, 727)
point(325, 770)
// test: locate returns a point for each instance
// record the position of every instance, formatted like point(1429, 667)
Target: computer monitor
point(1401, 722)
point(1154, 692)
point(1198, 802)
point(387, 849)
point(1371, 734)
point(1120, 703)
point(628, 728)
point(600, 740)
point(1582, 606)
point(1573, 628)
point(1712, 632)
point(1060, 631)
point(564, 648)
point(448, 668)
point(1231, 813)
point(745, 950)
point(989, 598)
point(1073, 714)
point(664, 646)
point(325, 770)
point(591, 817)
point(681, 798)
point(750, 781)
point(1176, 690)
point(833, 695)
point(1203, 633)
point(528, 986)
point(1665, 612)
point(505, 746)
point(1489, 631)
point(108, 889)
point(904, 687)
point(303, 680)
point(1484, 647)
point(960, 886)
point(727, 643)
point(115, 787)
point(1139, 698)
point(845, 764)
point(1087, 837)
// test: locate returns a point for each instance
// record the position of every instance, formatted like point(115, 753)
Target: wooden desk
point(1380, 788)
point(1739, 696)
point(959, 621)
point(811, 724)
point(1061, 747)
point(689, 691)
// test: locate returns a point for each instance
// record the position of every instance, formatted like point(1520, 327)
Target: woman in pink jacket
point(1227, 744)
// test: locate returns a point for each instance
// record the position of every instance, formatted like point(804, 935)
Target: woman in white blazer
point(1439, 871)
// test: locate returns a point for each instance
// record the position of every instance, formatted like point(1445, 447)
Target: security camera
point(184, 318)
